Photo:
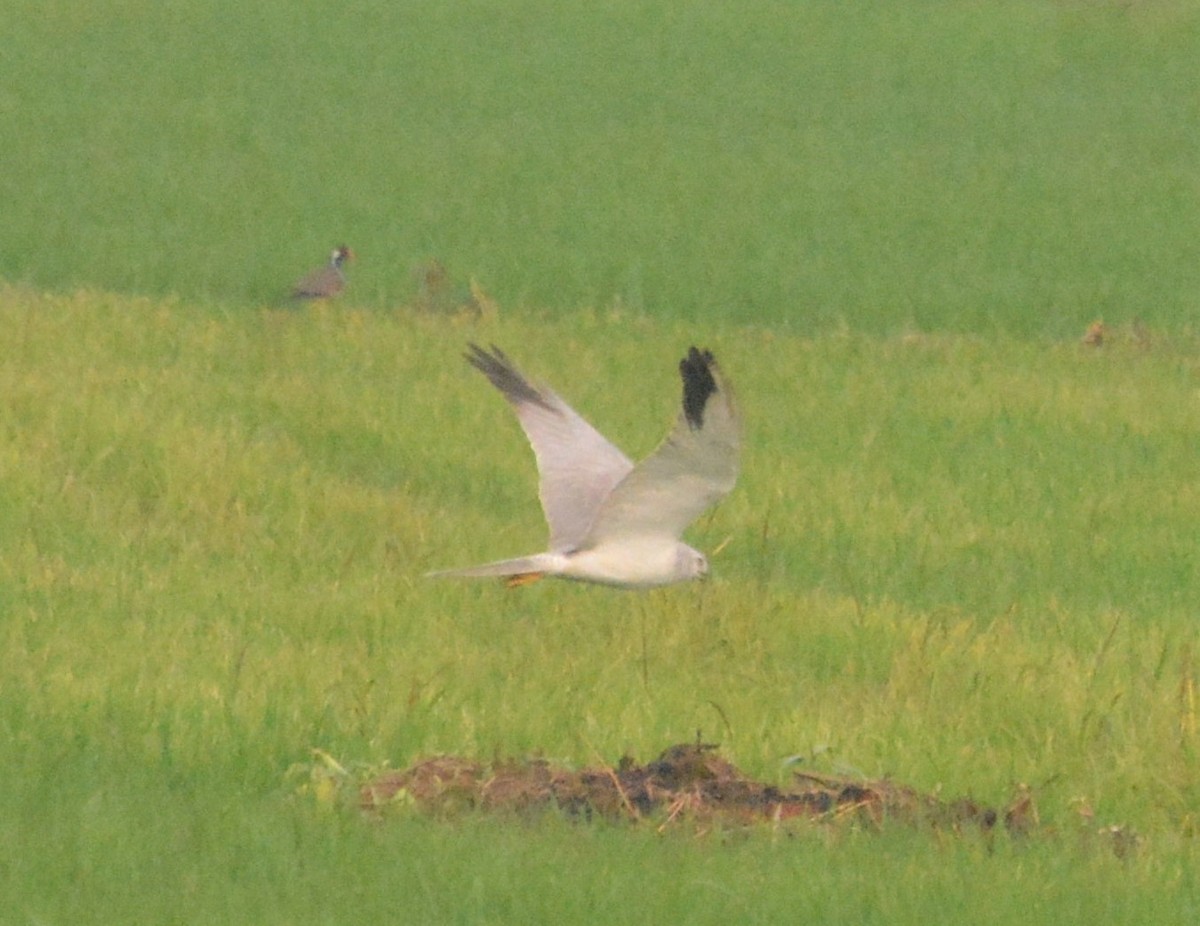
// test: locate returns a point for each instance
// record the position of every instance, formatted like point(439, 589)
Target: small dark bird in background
point(327, 282)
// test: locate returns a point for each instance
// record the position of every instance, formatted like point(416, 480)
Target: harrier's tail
point(519, 571)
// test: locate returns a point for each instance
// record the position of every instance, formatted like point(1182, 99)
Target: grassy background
point(1021, 167)
point(216, 524)
point(961, 553)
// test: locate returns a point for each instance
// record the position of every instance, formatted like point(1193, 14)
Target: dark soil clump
point(688, 782)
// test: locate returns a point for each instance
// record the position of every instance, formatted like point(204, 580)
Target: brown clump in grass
point(688, 782)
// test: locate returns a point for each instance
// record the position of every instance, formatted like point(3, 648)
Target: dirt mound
point(688, 782)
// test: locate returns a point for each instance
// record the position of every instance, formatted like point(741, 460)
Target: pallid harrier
point(611, 522)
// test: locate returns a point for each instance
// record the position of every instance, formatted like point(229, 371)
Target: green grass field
point(1018, 166)
point(962, 563)
point(962, 551)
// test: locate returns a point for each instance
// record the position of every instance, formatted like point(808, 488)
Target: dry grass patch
point(688, 784)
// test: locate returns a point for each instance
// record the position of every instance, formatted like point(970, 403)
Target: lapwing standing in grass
point(612, 522)
point(327, 282)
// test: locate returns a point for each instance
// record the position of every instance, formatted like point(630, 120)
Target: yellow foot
point(523, 578)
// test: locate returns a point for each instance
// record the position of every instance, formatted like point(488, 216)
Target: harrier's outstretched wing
point(691, 470)
point(577, 466)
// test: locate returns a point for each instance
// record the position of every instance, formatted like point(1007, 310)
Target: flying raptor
point(612, 522)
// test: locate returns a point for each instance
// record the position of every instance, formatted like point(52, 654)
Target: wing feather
point(694, 467)
point(577, 466)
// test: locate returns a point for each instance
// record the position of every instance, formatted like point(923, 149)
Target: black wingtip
point(493, 363)
point(698, 384)
point(503, 374)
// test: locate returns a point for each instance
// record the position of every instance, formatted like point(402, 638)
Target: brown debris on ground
point(688, 782)
point(1135, 334)
point(439, 294)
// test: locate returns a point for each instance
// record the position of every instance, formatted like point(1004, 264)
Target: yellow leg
point(523, 578)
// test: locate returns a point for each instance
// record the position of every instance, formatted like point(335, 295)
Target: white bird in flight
point(611, 522)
